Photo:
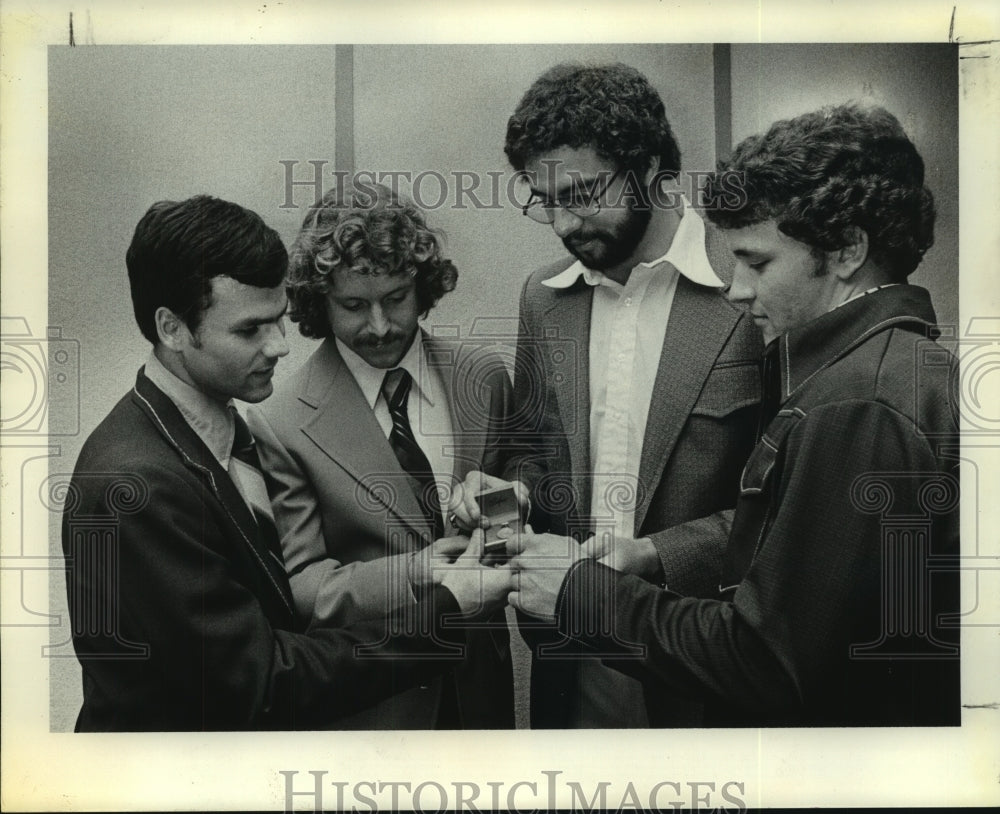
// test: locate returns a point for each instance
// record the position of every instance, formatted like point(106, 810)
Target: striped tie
point(396, 391)
point(245, 451)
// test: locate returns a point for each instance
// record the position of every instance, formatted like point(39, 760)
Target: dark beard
point(612, 249)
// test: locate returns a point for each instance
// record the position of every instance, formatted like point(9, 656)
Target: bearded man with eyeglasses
point(636, 382)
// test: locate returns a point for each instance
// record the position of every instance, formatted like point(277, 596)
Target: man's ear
point(171, 329)
point(652, 171)
point(844, 262)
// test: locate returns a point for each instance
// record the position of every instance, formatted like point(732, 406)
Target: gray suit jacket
point(701, 428)
point(348, 518)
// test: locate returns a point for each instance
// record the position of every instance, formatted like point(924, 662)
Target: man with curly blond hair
point(838, 598)
point(362, 444)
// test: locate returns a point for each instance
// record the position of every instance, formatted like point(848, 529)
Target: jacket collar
point(167, 418)
point(804, 351)
point(212, 421)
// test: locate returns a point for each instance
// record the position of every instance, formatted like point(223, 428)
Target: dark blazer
point(700, 430)
point(840, 590)
point(181, 612)
point(349, 519)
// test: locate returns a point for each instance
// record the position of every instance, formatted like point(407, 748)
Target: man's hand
point(479, 589)
point(463, 510)
point(422, 564)
point(624, 554)
point(540, 563)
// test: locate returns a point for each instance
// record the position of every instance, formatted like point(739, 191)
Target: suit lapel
point(165, 415)
point(444, 358)
point(345, 429)
point(696, 332)
point(569, 371)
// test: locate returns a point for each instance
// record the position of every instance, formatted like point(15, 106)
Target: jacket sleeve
point(497, 430)
point(719, 436)
point(812, 585)
point(325, 589)
point(213, 659)
point(530, 428)
point(691, 554)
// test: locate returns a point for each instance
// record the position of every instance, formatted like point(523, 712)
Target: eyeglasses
point(581, 204)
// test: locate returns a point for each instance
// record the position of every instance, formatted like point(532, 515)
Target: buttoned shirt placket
point(618, 441)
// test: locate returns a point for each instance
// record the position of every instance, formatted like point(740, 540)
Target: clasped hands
point(530, 581)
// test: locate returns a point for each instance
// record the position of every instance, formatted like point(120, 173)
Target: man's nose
point(565, 223)
point(277, 345)
point(378, 322)
point(741, 289)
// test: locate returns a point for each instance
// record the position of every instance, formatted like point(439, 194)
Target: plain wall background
point(129, 125)
point(916, 83)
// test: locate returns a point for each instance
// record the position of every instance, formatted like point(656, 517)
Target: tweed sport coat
point(702, 425)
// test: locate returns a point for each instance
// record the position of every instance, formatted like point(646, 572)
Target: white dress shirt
point(426, 407)
point(627, 326)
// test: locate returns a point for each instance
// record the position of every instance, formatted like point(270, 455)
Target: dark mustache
point(390, 338)
point(577, 240)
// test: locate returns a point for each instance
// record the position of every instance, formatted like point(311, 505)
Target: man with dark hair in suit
point(181, 610)
point(362, 441)
point(838, 596)
point(636, 382)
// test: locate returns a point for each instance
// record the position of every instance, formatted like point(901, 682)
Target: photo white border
point(65, 772)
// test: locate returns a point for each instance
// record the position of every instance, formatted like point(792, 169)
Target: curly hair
point(611, 108)
point(824, 174)
point(364, 229)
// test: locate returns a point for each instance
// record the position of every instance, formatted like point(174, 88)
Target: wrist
point(448, 583)
point(416, 571)
point(648, 559)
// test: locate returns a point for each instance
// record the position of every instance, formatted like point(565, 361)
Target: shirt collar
point(686, 254)
point(370, 378)
point(806, 350)
point(871, 290)
point(212, 422)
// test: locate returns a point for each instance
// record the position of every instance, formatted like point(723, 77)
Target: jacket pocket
point(757, 472)
point(753, 515)
point(729, 388)
point(758, 494)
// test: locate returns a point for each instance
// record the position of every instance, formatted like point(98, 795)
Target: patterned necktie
point(245, 451)
point(244, 446)
point(396, 391)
